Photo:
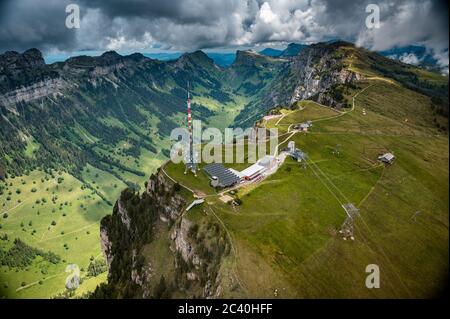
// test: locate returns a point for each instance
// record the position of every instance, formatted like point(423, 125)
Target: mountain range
point(412, 54)
point(56, 105)
point(111, 114)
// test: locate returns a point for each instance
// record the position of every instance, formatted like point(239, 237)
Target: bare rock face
point(126, 231)
point(49, 87)
point(319, 70)
point(182, 244)
point(161, 188)
point(141, 274)
point(25, 77)
point(106, 246)
point(15, 63)
point(310, 74)
point(124, 215)
point(123, 236)
point(191, 276)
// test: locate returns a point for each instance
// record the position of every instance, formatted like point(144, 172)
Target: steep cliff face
point(182, 244)
point(26, 78)
point(163, 191)
point(37, 90)
point(311, 74)
point(317, 72)
point(22, 71)
point(153, 251)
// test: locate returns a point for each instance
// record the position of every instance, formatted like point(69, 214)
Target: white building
point(387, 158)
point(265, 163)
point(253, 171)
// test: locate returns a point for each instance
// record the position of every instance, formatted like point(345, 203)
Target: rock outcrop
point(49, 87)
point(171, 204)
point(106, 244)
point(158, 212)
point(14, 63)
point(25, 77)
point(311, 74)
point(182, 244)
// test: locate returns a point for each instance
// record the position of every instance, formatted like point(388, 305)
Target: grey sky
point(184, 25)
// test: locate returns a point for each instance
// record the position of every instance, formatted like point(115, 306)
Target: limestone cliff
point(49, 87)
point(25, 77)
point(313, 74)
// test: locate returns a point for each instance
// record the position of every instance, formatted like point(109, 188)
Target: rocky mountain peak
point(23, 69)
point(248, 57)
point(197, 58)
point(12, 60)
point(110, 57)
point(137, 57)
point(293, 49)
point(33, 57)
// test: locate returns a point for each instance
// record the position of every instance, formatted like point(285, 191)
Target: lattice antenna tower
point(191, 164)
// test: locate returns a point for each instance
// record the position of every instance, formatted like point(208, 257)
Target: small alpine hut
point(387, 158)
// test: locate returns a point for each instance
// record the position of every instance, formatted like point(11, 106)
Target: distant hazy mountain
point(163, 56)
point(293, 49)
point(222, 59)
point(271, 52)
point(414, 55)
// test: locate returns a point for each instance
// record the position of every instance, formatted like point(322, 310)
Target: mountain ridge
point(264, 82)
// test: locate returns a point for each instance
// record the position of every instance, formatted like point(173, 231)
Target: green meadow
point(286, 230)
point(55, 212)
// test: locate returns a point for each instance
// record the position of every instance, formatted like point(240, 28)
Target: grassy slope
point(77, 221)
point(80, 227)
point(83, 212)
point(286, 234)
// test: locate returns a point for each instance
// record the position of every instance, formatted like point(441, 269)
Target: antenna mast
point(190, 161)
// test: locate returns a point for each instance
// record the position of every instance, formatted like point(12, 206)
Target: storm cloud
point(139, 25)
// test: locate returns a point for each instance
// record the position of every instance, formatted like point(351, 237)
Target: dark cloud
point(193, 24)
point(27, 23)
point(180, 12)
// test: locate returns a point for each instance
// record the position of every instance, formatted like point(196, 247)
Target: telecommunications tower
point(190, 154)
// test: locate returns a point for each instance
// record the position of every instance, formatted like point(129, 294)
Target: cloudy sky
point(185, 25)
